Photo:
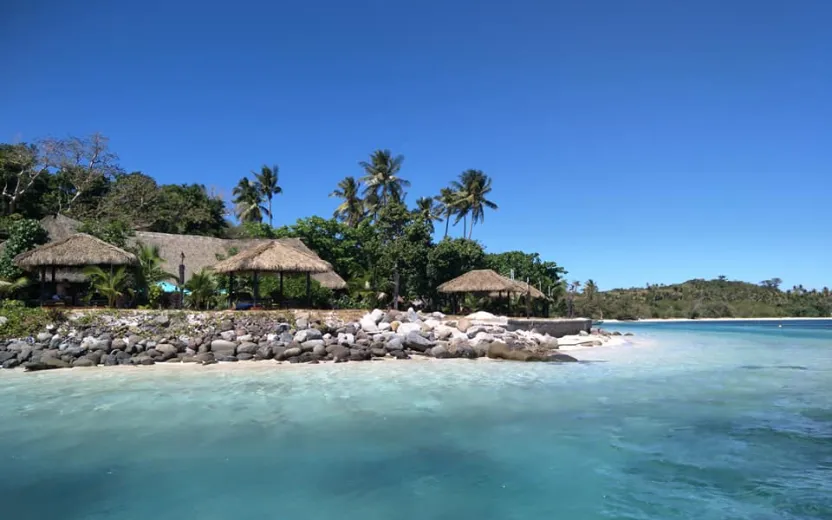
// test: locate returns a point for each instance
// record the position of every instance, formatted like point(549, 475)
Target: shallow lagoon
point(689, 422)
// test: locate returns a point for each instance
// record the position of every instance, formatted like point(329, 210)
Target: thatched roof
point(273, 256)
point(330, 280)
point(478, 281)
point(59, 227)
point(523, 288)
point(73, 251)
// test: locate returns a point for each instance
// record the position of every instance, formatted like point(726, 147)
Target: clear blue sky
point(630, 141)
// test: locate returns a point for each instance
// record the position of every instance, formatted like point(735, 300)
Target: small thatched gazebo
point(74, 251)
point(273, 257)
point(486, 281)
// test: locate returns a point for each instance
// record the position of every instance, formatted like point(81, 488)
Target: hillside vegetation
point(718, 298)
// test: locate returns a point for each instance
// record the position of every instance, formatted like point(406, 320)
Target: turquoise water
point(696, 422)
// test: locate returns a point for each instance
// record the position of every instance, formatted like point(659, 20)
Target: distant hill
point(698, 298)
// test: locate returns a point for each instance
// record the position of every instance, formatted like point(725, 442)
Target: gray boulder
point(360, 354)
point(221, 347)
point(394, 343)
point(17, 346)
point(6, 355)
point(162, 320)
point(308, 334)
point(285, 337)
point(339, 353)
point(43, 337)
point(301, 323)
point(292, 352)
point(245, 356)
point(399, 354)
point(416, 341)
point(83, 362)
point(47, 363)
point(463, 324)
point(247, 348)
point(228, 335)
point(562, 358)
point(319, 350)
point(10, 363)
point(440, 352)
point(205, 357)
point(378, 351)
point(167, 350)
point(264, 352)
point(312, 344)
point(412, 316)
point(230, 359)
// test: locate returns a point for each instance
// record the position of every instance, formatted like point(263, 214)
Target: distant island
point(699, 298)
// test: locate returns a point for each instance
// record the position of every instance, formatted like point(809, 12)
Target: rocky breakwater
point(145, 338)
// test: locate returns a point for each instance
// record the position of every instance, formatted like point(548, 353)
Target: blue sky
point(631, 142)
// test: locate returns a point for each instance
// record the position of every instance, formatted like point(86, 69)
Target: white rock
point(346, 339)
point(406, 328)
point(244, 338)
point(228, 335)
point(368, 324)
point(377, 315)
point(438, 315)
point(383, 326)
point(480, 338)
point(444, 332)
point(431, 324)
point(271, 337)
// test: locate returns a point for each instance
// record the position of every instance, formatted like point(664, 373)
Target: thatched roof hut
point(75, 251)
point(478, 281)
point(524, 288)
point(273, 256)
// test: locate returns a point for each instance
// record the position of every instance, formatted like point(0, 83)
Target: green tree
point(188, 209)
point(448, 200)
point(248, 201)
point(150, 271)
point(381, 177)
point(131, 198)
point(472, 190)
point(24, 235)
point(202, 287)
point(351, 209)
point(110, 284)
point(115, 231)
point(429, 211)
point(22, 170)
point(267, 186)
point(453, 257)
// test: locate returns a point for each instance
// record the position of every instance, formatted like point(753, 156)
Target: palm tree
point(381, 177)
point(110, 284)
point(150, 270)
point(9, 287)
point(248, 201)
point(202, 287)
point(266, 182)
point(473, 187)
point(447, 200)
point(590, 290)
point(351, 210)
point(428, 211)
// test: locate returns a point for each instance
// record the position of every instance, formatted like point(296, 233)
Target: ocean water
point(693, 421)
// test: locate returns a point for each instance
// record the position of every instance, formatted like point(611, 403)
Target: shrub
point(20, 320)
point(23, 235)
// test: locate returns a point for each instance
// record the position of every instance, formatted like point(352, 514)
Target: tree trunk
point(447, 222)
point(271, 215)
point(471, 231)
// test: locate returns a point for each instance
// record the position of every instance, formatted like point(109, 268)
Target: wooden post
point(54, 285)
point(281, 288)
point(230, 289)
point(256, 287)
point(42, 284)
point(309, 290)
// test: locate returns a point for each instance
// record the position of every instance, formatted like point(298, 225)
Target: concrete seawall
point(556, 327)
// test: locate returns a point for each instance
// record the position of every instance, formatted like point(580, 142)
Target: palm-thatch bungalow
point(199, 251)
point(75, 251)
point(274, 257)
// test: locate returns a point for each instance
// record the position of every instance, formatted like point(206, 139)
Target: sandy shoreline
point(670, 320)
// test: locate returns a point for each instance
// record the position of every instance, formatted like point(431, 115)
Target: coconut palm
point(266, 182)
point(351, 210)
point(150, 270)
point(9, 287)
point(248, 201)
point(202, 287)
point(428, 210)
point(448, 200)
point(381, 177)
point(110, 284)
point(590, 289)
point(471, 189)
